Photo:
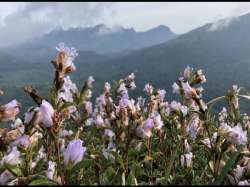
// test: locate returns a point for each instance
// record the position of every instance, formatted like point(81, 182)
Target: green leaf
point(119, 159)
point(226, 168)
point(15, 170)
point(42, 181)
point(83, 164)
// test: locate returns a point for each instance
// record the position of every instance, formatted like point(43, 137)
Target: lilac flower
point(122, 89)
point(158, 122)
point(18, 124)
point(243, 183)
point(88, 107)
point(22, 141)
point(224, 128)
point(237, 135)
point(131, 76)
point(186, 159)
point(162, 94)
point(106, 151)
point(89, 121)
point(5, 177)
point(194, 127)
point(74, 152)
point(13, 158)
point(51, 169)
point(184, 110)
point(149, 89)
point(124, 102)
point(200, 76)
point(29, 115)
point(46, 113)
point(65, 133)
point(9, 111)
point(88, 93)
point(176, 88)
point(90, 81)
point(109, 132)
point(107, 87)
point(187, 72)
point(144, 130)
point(99, 120)
point(67, 90)
point(69, 55)
point(188, 90)
point(101, 100)
point(132, 85)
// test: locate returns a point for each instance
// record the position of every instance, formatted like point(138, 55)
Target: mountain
point(103, 39)
point(221, 49)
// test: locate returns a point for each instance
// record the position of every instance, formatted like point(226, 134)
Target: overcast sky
point(23, 21)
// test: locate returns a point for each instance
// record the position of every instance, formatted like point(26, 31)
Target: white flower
point(237, 135)
point(51, 169)
point(176, 88)
point(13, 158)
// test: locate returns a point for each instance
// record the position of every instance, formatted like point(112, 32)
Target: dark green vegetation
point(223, 54)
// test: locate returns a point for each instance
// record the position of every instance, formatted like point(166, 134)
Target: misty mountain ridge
point(223, 53)
point(103, 39)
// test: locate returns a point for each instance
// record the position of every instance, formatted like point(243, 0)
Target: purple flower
point(22, 141)
point(46, 113)
point(107, 87)
point(13, 158)
point(187, 72)
point(90, 81)
point(74, 152)
point(99, 120)
point(158, 122)
point(237, 135)
point(9, 111)
point(149, 89)
point(109, 132)
point(186, 159)
point(88, 107)
point(5, 177)
point(51, 169)
point(162, 94)
point(176, 88)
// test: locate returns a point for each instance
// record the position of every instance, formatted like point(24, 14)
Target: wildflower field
point(118, 140)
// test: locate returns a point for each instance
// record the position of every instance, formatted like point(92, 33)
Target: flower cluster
point(71, 138)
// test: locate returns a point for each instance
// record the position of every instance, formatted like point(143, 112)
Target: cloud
point(34, 19)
